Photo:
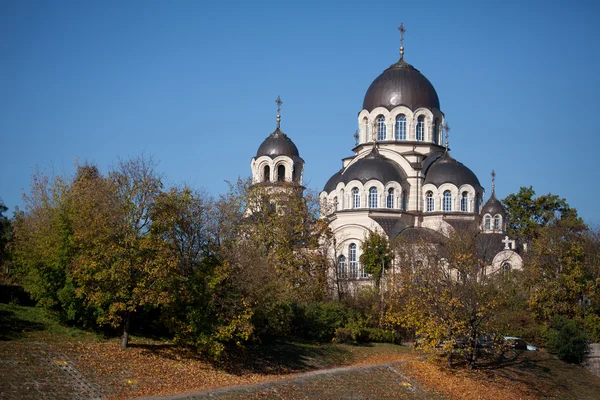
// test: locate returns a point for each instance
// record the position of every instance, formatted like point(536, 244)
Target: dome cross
point(447, 131)
point(493, 182)
point(402, 32)
point(279, 103)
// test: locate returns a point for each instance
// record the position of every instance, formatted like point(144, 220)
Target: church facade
point(401, 179)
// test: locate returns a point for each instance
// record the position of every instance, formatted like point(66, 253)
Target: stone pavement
point(33, 371)
point(384, 381)
point(36, 370)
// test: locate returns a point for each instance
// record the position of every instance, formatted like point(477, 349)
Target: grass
point(26, 324)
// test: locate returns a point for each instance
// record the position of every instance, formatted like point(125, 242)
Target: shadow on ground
point(274, 358)
point(12, 327)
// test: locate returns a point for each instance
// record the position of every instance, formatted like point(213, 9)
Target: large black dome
point(278, 144)
point(447, 170)
point(373, 166)
point(401, 84)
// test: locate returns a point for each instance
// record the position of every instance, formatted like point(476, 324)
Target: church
point(401, 179)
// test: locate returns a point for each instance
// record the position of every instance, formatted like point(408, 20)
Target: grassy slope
point(147, 367)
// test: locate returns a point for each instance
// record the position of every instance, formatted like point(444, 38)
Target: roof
point(415, 234)
point(493, 206)
point(373, 166)
point(277, 144)
point(447, 170)
point(401, 84)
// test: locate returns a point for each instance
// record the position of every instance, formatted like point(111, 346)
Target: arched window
point(390, 198)
point(464, 202)
point(401, 127)
point(447, 201)
point(404, 206)
point(281, 173)
point(343, 199)
point(342, 267)
point(434, 131)
point(355, 198)
point(429, 201)
point(420, 128)
point(366, 128)
point(335, 203)
point(267, 174)
point(373, 198)
point(353, 261)
point(488, 223)
point(497, 222)
point(381, 128)
point(505, 268)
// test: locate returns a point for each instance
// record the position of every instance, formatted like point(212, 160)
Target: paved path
point(383, 381)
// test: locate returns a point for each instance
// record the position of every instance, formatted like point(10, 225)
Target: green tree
point(377, 256)
point(526, 215)
point(41, 247)
point(5, 236)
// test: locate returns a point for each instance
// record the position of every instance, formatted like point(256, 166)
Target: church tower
point(277, 160)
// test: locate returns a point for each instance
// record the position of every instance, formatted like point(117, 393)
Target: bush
point(567, 340)
point(319, 320)
point(356, 332)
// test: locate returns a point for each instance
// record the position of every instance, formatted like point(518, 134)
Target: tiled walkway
point(356, 383)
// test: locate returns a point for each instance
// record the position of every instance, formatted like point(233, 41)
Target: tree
point(377, 256)
point(526, 215)
point(119, 266)
point(442, 294)
point(41, 247)
point(209, 310)
point(5, 235)
point(274, 253)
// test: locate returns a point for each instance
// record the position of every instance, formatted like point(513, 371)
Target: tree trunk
point(125, 339)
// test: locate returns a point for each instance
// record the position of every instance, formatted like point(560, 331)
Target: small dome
point(373, 166)
point(447, 170)
point(401, 84)
point(493, 206)
point(278, 144)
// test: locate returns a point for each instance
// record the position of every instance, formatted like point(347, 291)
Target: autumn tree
point(275, 251)
point(119, 266)
point(442, 294)
point(209, 311)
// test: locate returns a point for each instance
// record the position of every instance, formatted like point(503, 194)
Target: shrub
point(568, 341)
point(319, 320)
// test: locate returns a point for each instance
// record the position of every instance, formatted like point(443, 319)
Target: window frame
point(464, 202)
point(400, 127)
point(429, 201)
point(352, 261)
point(389, 201)
point(381, 128)
point(373, 197)
point(355, 198)
point(420, 129)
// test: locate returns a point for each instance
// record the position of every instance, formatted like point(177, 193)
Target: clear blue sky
point(193, 84)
